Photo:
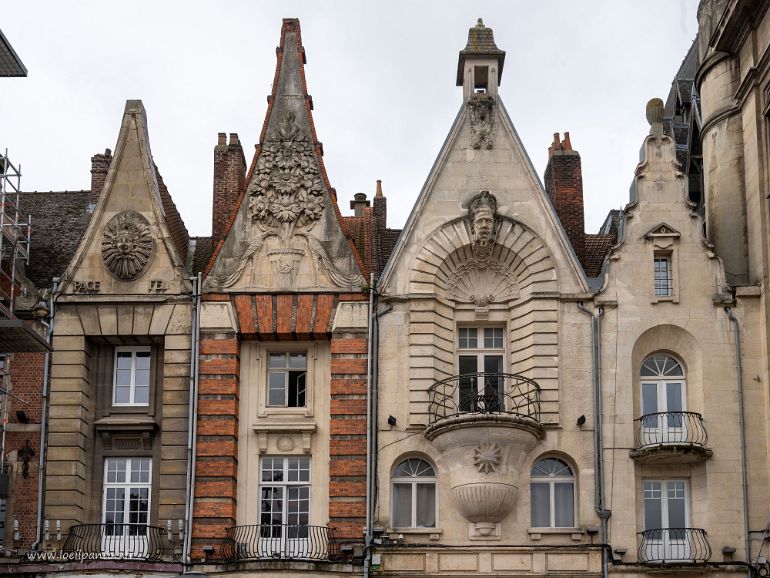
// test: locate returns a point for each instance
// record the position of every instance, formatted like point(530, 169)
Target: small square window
point(287, 379)
point(663, 276)
point(131, 376)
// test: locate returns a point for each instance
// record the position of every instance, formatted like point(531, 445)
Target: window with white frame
point(481, 355)
point(552, 488)
point(287, 379)
point(414, 494)
point(662, 381)
point(284, 490)
point(131, 376)
point(663, 277)
point(127, 491)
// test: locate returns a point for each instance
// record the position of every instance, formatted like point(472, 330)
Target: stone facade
point(515, 397)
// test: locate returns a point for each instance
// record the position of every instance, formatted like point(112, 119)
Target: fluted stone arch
point(529, 309)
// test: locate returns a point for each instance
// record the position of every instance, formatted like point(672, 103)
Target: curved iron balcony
point(118, 541)
point(484, 393)
point(674, 545)
point(672, 436)
point(278, 541)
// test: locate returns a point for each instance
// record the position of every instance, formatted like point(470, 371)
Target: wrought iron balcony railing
point(118, 541)
point(671, 428)
point(674, 545)
point(279, 541)
point(484, 393)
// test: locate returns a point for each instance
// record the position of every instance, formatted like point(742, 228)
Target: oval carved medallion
point(127, 245)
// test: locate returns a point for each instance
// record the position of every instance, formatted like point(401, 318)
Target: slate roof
point(176, 225)
point(597, 247)
point(204, 247)
point(59, 221)
point(10, 63)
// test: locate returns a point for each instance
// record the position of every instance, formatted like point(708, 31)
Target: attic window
point(481, 79)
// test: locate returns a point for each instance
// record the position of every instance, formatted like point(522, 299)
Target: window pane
point(123, 377)
point(143, 360)
point(493, 337)
point(402, 505)
point(674, 397)
point(142, 395)
point(676, 505)
point(649, 398)
point(122, 394)
point(468, 385)
point(296, 389)
point(426, 506)
point(123, 359)
point(541, 505)
point(298, 361)
point(653, 516)
point(564, 504)
point(277, 360)
point(142, 377)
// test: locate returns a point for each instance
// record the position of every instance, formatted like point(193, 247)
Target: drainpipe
point(192, 422)
point(371, 431)
point(44, 420)
point(603, 513)
point(742, 429)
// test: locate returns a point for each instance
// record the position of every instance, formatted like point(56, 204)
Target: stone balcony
point(485, 425)
point(671, 437)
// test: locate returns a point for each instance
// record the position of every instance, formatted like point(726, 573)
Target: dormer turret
point(480, 66)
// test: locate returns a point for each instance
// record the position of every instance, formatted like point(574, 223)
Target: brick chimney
point(100, 164)
point(229, 180)
point(380, 207)
point(564, 184)
point(358, 204)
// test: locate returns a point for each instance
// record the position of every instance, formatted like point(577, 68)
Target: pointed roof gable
point(285, 230)
point(128, 234)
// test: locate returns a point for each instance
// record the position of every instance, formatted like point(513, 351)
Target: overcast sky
point(382, 76)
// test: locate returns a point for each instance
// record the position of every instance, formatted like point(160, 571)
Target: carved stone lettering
point(158, 286)
point(86, 286)
point(127, 245)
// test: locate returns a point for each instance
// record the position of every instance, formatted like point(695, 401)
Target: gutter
point(44, 420)
point(371, 401)
point(742, 428)
point(603, 513)
point(192, 422)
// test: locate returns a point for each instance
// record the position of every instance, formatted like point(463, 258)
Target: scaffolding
point(14, 234)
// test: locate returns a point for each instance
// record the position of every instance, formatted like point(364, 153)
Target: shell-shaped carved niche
point(450, 266)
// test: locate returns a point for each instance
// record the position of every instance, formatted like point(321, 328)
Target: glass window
point(666, 519)
point(481, 354)
point(552, 494)
point(663, 276)
point(414, 494)
point(131, 378)
point(662, 384)
point(287, 379)
point(284, 496)
point(127, 488)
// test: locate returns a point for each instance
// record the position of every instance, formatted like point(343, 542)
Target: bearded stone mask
point(482, 219)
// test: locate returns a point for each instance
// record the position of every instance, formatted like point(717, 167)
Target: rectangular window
point(481, 365)
point(126, 506)
point(284, 509)
point(287, 379)
point(663, 277)
point(666, 520)
point(131, 376)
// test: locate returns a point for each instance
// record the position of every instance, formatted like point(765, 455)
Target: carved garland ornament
point(285, 200)
point(481, 109)
point(127, 245)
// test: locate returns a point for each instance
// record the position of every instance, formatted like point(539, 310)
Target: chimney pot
point(222, 138)
point(234, 138)
point(378, 192)
point(567, 144)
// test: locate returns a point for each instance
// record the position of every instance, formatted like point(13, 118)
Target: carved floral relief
point(285, 201)
point(482, 121)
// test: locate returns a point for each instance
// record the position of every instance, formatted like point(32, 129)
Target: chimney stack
point(100, 165)
point(359, 203)
point(380, 207)
point(229, 181)
point(564, 185)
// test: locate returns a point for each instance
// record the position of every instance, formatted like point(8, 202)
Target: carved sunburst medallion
point(127, 245)
point(486, 457)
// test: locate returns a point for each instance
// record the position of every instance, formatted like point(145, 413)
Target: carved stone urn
point(285, 263)
point(486, 453)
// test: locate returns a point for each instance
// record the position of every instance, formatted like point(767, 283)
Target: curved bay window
point(662, 381)
point(480, 360)
point(414, 494)
point(552, 492)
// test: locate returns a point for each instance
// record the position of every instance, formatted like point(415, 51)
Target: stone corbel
point(262, 438)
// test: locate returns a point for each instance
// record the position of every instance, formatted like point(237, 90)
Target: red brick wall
point(27, 384)
point(229, 176)
point(217, 442)
point(564, 184)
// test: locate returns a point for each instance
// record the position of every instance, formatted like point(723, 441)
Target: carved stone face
point(483, 225)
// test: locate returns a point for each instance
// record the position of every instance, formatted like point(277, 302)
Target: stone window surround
point(263, 349)
point(663, 241)
point(133, 349)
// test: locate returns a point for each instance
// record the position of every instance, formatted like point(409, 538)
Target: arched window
point(414, 494)
point(662, 383)
point(552, 496)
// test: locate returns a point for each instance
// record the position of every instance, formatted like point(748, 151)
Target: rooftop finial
point(480, 23)
point(655, 111)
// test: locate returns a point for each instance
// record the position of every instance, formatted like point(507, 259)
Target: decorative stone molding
point(127, 245)
point(481, 115)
